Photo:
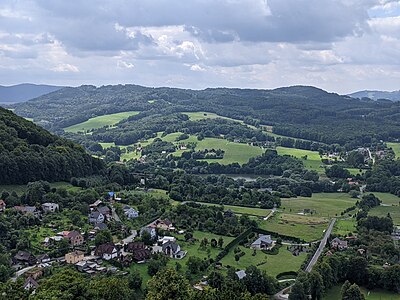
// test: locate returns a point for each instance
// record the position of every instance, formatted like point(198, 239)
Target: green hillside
point(30, 153)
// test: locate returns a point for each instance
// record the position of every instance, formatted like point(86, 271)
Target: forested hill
point(30, 153)
point(375, 95)
point(24, 92)
point(298, 111)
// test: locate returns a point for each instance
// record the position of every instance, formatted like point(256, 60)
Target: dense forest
point(299, 111)
point(30, 153)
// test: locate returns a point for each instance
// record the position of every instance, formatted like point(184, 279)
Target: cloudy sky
point(338, 45)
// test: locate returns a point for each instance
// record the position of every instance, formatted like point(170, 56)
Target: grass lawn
point(234, 152)
point(343, 227)
point(324, 204)
point(202, 115)
point(100, 121)
point(395, 147)
point(304, 227)
point(20, 189)
point(387, 198)
point(334, 294)
point(312, 162)
point(382, 211)
point(284, 261)
point(242, 210)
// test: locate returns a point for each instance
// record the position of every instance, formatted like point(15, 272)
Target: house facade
point(130, 212)
point(74, 257)
point(107, 251)
point(50, 207)
point(96, 217)
point(25, 258)
point(338, 244)
point(75, 238)
point(173, 250)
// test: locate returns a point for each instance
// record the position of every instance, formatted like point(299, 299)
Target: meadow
point(382, 211)
point(100, 121)
point(387, 198)
point(344, 226)
point(20, 189)
point(284, 261)
point(322, 204)
point(334, 294)
point(304, 227)
point(395, 147)
point(312, 162)
point(202, 115)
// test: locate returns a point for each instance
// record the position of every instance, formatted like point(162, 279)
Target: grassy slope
point(395, 147)
point(275, 264)
point(325, 204)
point(343, 227)
point(101, 121)
point(387, 198)
point(304, 227)
point(382, 211)
point(334, 294)
point(313, 160)
point(20, 189)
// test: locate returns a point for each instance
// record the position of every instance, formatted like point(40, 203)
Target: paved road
point(283, 294)
point(21, 272)
point(114, 215)
point(321, 247)
point(130, 238)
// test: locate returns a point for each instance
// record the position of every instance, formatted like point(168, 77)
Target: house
point(96, 217)
point(44, 258)
point(138, 250)
point(75, 238)
point(262, 243)
point(150, 230)
point(338, 244)
point(50, 207)
point(104, 210)
point(241, 274)
point(164, 224)
point(30, 284)
point(95, 204)
point(74, 257)
point(173, 250)
point(100, 226)
point(2, 205)
point(106, 251)
point(25, 258)
point(35, 273)
point(166, 239)
point(27, 210)
point(130, 212)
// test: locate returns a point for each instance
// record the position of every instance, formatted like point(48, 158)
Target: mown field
point(382, 211)
point(312, 162)
point(388, 199)
point(322, 204)
point(395, 147)
point(284, 261)
point(100, 121)
point(234, 152)
point(334, 294)
point(344, 227)
point(304, 227)
point(202, 115)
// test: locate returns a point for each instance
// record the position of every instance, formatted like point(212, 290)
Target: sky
point(338, 45)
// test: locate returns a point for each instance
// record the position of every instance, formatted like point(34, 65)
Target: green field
point(334, 294)
point(395, 147)
point(387, 198)
point(242, 210)
point(382, 211)
point(202, 115)
point(324, 204)
point(234, 152)
point(312, 162)
point(20, 189)
point(304, 227)
point(343, 227)
point(285, 261)
point(100, 121)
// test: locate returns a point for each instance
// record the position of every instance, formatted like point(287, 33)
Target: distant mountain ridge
point(24, 92)
point(375, 95)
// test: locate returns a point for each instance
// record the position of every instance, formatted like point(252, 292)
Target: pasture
point(382, 211)
point(395, 147)
point(322, 204)
point(284, 261)
point(344, 227)
point(334, 294)
point(100, 121)
point(304, 227)
point(387, 198)
point(313, 161)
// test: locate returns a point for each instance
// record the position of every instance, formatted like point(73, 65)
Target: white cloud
point(65, 68)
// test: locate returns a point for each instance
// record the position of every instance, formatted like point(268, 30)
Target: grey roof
point(31, 281)
point(100, 226)
point(103, 210)
point(241, 274)
point(263, 239)
point(95, 215)
point(174, 246)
